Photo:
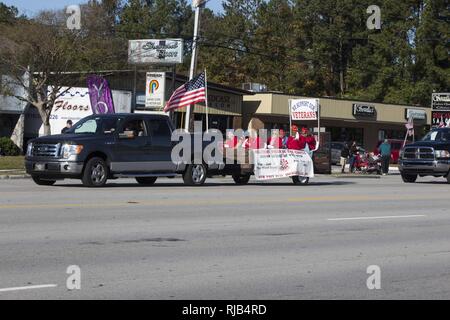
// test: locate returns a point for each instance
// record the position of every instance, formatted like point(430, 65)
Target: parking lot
point(222, 241)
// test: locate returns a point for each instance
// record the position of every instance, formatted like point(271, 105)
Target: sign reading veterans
point(440, 101)
point(363, 110)
point(155, 90)
point(304, 109)
point(282, 163)
point(152, 51)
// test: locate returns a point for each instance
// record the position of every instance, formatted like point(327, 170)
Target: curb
point(15, 177)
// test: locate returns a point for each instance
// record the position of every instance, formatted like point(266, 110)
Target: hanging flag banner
point(304, 109)
point(282, 163)
point(100, 95)
point(155, 90)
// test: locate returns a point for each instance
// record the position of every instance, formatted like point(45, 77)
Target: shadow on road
point(211, 184)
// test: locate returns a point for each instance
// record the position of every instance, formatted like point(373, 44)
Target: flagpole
point(206, 102)
point(197, 4)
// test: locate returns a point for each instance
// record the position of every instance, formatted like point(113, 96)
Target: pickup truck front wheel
point(195, 175)
point(95, 173)
point(409, 178)
point(41, 182)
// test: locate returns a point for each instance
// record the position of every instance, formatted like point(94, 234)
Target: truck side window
point(135, 127)
point(160, 132)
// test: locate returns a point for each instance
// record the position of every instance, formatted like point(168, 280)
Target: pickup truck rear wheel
point(42, 182)
point(95, 173)
point(195, 175)
point(241, 179)
point(409, 178)
point(448, 178)
point(147, 181)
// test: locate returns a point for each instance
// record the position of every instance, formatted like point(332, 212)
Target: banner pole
point(206, 102)
point(290, 117)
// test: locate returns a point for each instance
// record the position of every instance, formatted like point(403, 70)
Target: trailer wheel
point(300, 180)
point(241, 179)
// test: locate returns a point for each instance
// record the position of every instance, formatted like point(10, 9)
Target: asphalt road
point(222, 241)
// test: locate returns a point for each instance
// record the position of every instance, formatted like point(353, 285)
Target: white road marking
point(381, 217)
point(42, 286)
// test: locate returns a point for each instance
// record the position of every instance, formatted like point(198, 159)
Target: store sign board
point(415, 114)
point(440, 101)
point(363, 110)
point(438, 117)
point(155, 90)
point(154, 51)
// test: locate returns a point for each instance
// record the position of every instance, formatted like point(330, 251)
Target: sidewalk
point(336, 171)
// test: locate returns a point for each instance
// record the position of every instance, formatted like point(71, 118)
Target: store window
point(347, 134)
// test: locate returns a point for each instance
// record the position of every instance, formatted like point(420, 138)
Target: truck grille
point(46, 150)
point(423, 153)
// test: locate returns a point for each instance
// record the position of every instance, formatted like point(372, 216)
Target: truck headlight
point(442, 154)
point(29, 149)
point(70, 150)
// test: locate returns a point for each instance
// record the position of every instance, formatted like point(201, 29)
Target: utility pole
point(197, 4)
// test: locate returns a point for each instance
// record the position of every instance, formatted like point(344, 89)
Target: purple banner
point(100, 95)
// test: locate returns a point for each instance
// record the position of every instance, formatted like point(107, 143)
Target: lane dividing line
point(381, 217)
point(43, 286)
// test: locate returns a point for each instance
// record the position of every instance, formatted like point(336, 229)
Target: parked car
point(102, 147)
point(396, 146)
point(427, 157)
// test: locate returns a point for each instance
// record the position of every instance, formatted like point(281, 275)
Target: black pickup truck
point(427, 157)
point(102, 147)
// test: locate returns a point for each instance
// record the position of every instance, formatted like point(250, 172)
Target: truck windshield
point(94, 126)
point(438, 136)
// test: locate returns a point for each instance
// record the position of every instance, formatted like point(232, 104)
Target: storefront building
point(346, 120)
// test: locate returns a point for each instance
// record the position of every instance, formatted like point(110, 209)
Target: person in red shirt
point(231, 141)
point(275, 141)
point(293, 141)
point(252, 141)
point(308, 139)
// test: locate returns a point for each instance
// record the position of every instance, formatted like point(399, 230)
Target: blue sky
point(32, 7)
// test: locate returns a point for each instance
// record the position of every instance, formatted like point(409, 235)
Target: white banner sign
point(282, 163)
point(155, 90)
point(304, 109)
point(152, 51)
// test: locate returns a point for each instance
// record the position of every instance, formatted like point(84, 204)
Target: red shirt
point(311, 141)
point(254, 143)
point(276, 143)
point(300, 143)
point(231, 143)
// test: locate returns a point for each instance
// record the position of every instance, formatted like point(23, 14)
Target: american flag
point(189, 93)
